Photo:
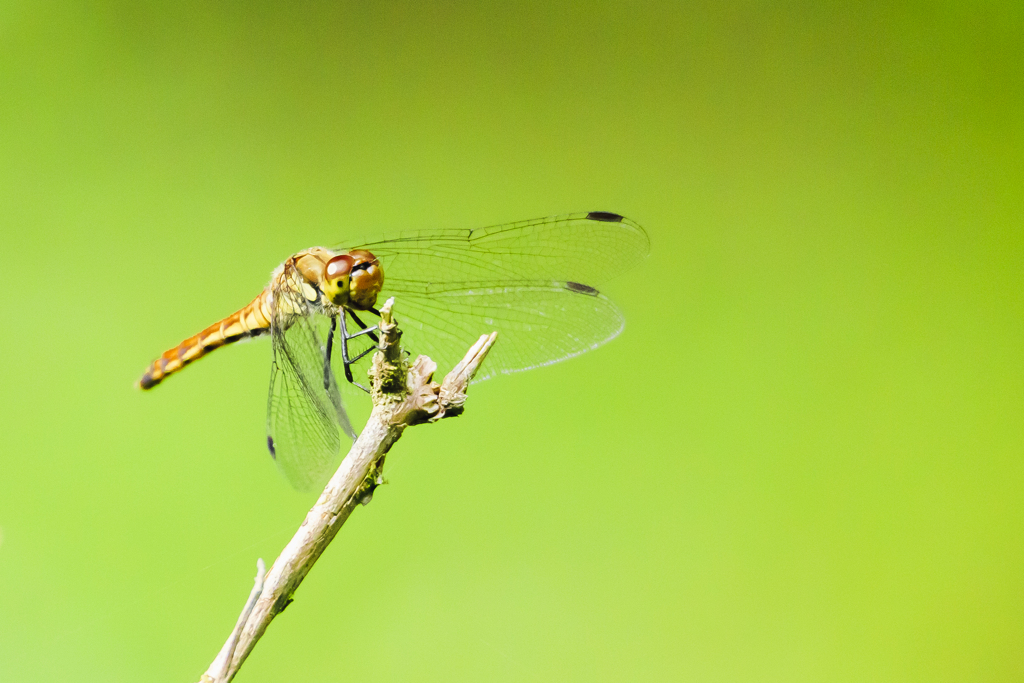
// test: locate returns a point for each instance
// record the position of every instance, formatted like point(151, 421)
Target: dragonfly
point(534, 282)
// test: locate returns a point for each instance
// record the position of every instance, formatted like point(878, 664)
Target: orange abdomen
point(250, 321)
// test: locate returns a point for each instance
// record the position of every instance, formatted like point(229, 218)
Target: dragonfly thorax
point(353, 279)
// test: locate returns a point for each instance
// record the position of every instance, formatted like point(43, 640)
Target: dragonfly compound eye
point(336, 278)
point(366, 281)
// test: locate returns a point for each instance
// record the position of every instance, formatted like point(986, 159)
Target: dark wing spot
point(606, 216)
point(270, 447)
point(163, 364)
point(147, 380)
point(581, 288)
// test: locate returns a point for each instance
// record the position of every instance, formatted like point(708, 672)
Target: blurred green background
point(802, 461)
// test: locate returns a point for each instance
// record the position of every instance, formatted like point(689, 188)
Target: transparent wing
point(305, 418)
point(537, 323)
point(532, 281)
point(588, 248)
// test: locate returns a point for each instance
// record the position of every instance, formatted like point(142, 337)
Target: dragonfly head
point(353, 279)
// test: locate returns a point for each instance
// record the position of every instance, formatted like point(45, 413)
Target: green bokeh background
point(802, 461)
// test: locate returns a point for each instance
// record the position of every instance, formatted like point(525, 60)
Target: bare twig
point(218, 670)
point(403, 395)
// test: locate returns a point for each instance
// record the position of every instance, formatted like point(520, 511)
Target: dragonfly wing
point(538, 323)
point(532, 281)
point(305, 415)
point(587, 248)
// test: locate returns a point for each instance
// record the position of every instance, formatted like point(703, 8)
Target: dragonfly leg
point(346, 361)
point(327, 353)
point(343, 335)
point(365, 330)
point(363, 353)
point(369, 330)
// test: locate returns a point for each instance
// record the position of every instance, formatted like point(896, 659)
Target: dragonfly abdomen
point(250, 321)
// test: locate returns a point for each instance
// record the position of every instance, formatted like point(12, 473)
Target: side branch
point(402, 396)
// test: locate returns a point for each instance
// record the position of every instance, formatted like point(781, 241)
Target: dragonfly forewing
point(588, 248)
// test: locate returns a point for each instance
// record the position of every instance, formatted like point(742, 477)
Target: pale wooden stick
point(402, 396)
point(218, 670)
